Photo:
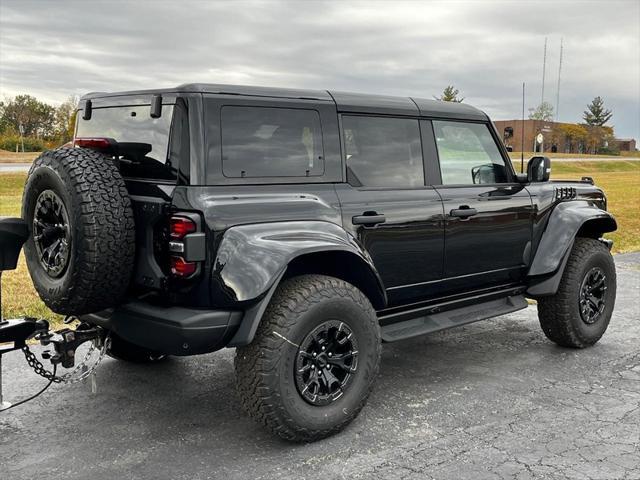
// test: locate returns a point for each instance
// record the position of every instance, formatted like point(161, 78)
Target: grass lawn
point(515, 156)
point(619, 179)
point(19, 297)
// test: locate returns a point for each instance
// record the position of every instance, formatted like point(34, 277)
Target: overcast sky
point(52, 49)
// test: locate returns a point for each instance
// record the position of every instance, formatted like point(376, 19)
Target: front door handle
point(463, 212)
point(368, 219)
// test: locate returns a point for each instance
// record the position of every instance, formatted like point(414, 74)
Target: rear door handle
point(463, 212)
point(374, 219)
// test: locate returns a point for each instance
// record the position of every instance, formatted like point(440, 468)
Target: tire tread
point(256, 363)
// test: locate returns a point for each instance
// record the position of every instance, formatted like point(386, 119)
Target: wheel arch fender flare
point(567, 221)
point(253, 259)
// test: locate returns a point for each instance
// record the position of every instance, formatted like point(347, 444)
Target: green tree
point(544, 112)
point(65, 118)
point(576, 136)
point(596, 114)
point(5, 127)
point(36, 117)
point(599, 139)
point(450, 94)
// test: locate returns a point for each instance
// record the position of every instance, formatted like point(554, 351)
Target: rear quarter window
point(271, 142)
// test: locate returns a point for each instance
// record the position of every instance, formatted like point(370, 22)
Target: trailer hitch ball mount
point(15, 333)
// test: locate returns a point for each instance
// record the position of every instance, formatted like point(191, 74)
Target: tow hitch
point(16, 333)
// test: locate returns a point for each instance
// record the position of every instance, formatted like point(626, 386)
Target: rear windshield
point(133, 124)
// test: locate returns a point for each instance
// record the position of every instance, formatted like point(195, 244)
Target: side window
point(271, 142)
point(468, 154)
point(383, 152)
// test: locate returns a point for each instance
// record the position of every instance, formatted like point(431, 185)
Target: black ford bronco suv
point(304, 228)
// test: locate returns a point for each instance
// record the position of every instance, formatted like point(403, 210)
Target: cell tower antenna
point(544, 69)
point(558, 87)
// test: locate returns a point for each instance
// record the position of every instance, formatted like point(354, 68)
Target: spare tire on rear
point(80, 253)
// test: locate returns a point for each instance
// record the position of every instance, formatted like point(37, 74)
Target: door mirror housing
point(538, 169)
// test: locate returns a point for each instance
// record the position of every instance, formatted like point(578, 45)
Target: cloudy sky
point(52, 49)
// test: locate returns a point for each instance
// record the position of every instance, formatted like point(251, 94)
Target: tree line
point(25, 120)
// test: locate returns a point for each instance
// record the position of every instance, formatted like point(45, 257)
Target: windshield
point(133, 124)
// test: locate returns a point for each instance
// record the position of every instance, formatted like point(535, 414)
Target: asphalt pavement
point(493, 399)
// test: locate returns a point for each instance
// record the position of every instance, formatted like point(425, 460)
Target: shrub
point(10, 141)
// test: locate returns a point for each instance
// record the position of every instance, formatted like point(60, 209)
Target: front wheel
point(313, 361)
point(580, 311)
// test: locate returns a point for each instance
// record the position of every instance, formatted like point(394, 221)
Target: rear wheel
point(313, 361)
point(579, 313)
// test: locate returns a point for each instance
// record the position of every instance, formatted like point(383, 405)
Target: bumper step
point(452, 318)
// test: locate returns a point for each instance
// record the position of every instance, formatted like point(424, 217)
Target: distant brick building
point(557, 137)
point(626, 144)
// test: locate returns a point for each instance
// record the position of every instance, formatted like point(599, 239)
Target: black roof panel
point(437, 108)
point(380, 104)
point(255, 91)
point(345, 101)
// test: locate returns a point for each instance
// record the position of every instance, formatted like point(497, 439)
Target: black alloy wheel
point(52, 233)
point(592, 295)
point(326, 362)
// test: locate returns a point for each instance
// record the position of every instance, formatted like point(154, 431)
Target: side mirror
point(538, 169)
point(509, 148)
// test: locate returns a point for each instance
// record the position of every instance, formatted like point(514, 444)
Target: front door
point(488, 216)
point(387, 206)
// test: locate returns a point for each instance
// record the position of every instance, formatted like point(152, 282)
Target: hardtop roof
point(346, 102)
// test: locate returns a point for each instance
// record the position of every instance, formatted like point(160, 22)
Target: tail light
point(180, 268)
point(181, 226)
point(94, 142)
point(186, 244)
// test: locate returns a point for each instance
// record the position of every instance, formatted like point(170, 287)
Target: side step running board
point(452, 318)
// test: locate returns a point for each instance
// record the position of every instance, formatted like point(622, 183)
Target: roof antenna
point(522, 134)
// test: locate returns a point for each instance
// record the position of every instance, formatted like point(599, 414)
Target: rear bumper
point(170, 330)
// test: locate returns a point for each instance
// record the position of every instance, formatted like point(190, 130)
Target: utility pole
point(522, 134)
point(558, 87)
point(544, 69)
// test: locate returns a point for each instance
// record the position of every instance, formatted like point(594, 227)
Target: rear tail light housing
point(180, 226)
point(99, 143)
point(181, 268)
point(186, 245)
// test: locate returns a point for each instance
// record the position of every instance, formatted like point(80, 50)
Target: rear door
point(388, 207)
point(488, 216)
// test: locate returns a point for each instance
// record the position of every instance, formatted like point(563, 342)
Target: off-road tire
point(265, 368)
point(559, 314)
point(102, 248)
point(120, 349)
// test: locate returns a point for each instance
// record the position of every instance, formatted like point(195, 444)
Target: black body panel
point(407, 249)
point(411, 251)
point(169, 329)
point(493, 245)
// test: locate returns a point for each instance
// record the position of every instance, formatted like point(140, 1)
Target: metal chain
point(37, 366)
point(70, 377)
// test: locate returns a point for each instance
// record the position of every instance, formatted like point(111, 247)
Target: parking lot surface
point(493, 399)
